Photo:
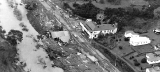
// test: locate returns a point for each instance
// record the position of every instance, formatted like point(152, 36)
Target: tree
point(120, 47)
point(136, 63)
point(31, 6)
point(14, 36)
point(144, 60)
point(87, 10)
point(76, 5)
point(131, 57)
point(58, 28)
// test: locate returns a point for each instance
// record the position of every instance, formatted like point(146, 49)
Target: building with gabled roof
point(153, 58)
point(153, 69)
point(93, 30)
point(136, 39)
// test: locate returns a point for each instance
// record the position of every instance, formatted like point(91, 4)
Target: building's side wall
point(109, 31)
point(114, 31)
point(95, 34)
point(105, 32)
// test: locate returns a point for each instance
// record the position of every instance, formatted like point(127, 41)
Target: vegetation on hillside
point(125, 17)
point(121, 65)
point(8, 51)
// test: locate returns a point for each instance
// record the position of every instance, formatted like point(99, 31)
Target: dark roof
point(105, 27)
point(91, 26)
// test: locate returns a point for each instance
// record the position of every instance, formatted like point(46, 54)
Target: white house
point(153, 58)
point(153, 69)
point(94, 30)
point(135, 39)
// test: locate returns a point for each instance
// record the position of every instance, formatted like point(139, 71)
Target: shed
point(63, 35)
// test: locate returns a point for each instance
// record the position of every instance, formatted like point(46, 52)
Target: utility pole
point(115, 61)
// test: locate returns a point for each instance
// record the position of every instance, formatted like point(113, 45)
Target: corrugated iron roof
point(91, 26)
point(105, 27)
point(63, 35)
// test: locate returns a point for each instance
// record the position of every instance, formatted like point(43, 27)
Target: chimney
point(89, 20)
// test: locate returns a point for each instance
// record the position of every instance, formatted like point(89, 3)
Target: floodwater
point(36, 60)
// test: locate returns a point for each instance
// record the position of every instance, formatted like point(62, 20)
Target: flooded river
point(36, 60)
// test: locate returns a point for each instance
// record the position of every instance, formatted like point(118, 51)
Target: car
point(157, 31)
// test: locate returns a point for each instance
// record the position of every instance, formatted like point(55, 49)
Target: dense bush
point(144, 60)
point(31, 6)
point(8, 54)
point(124, 17)
point(87, 10)
point(14, 36)
point(58, 28)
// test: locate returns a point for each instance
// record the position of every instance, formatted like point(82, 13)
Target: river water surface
point(36, 60)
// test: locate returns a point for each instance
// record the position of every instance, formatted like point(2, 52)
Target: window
point(95, 36)
point(126, 39)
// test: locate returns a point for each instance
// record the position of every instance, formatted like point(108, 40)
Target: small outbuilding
point(63, 35)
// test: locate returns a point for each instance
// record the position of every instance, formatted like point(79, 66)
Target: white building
point(156, 31)
point(63, 35)
point(153, 58)
point(135, 39)
point(154, 69)
point(94, 30)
